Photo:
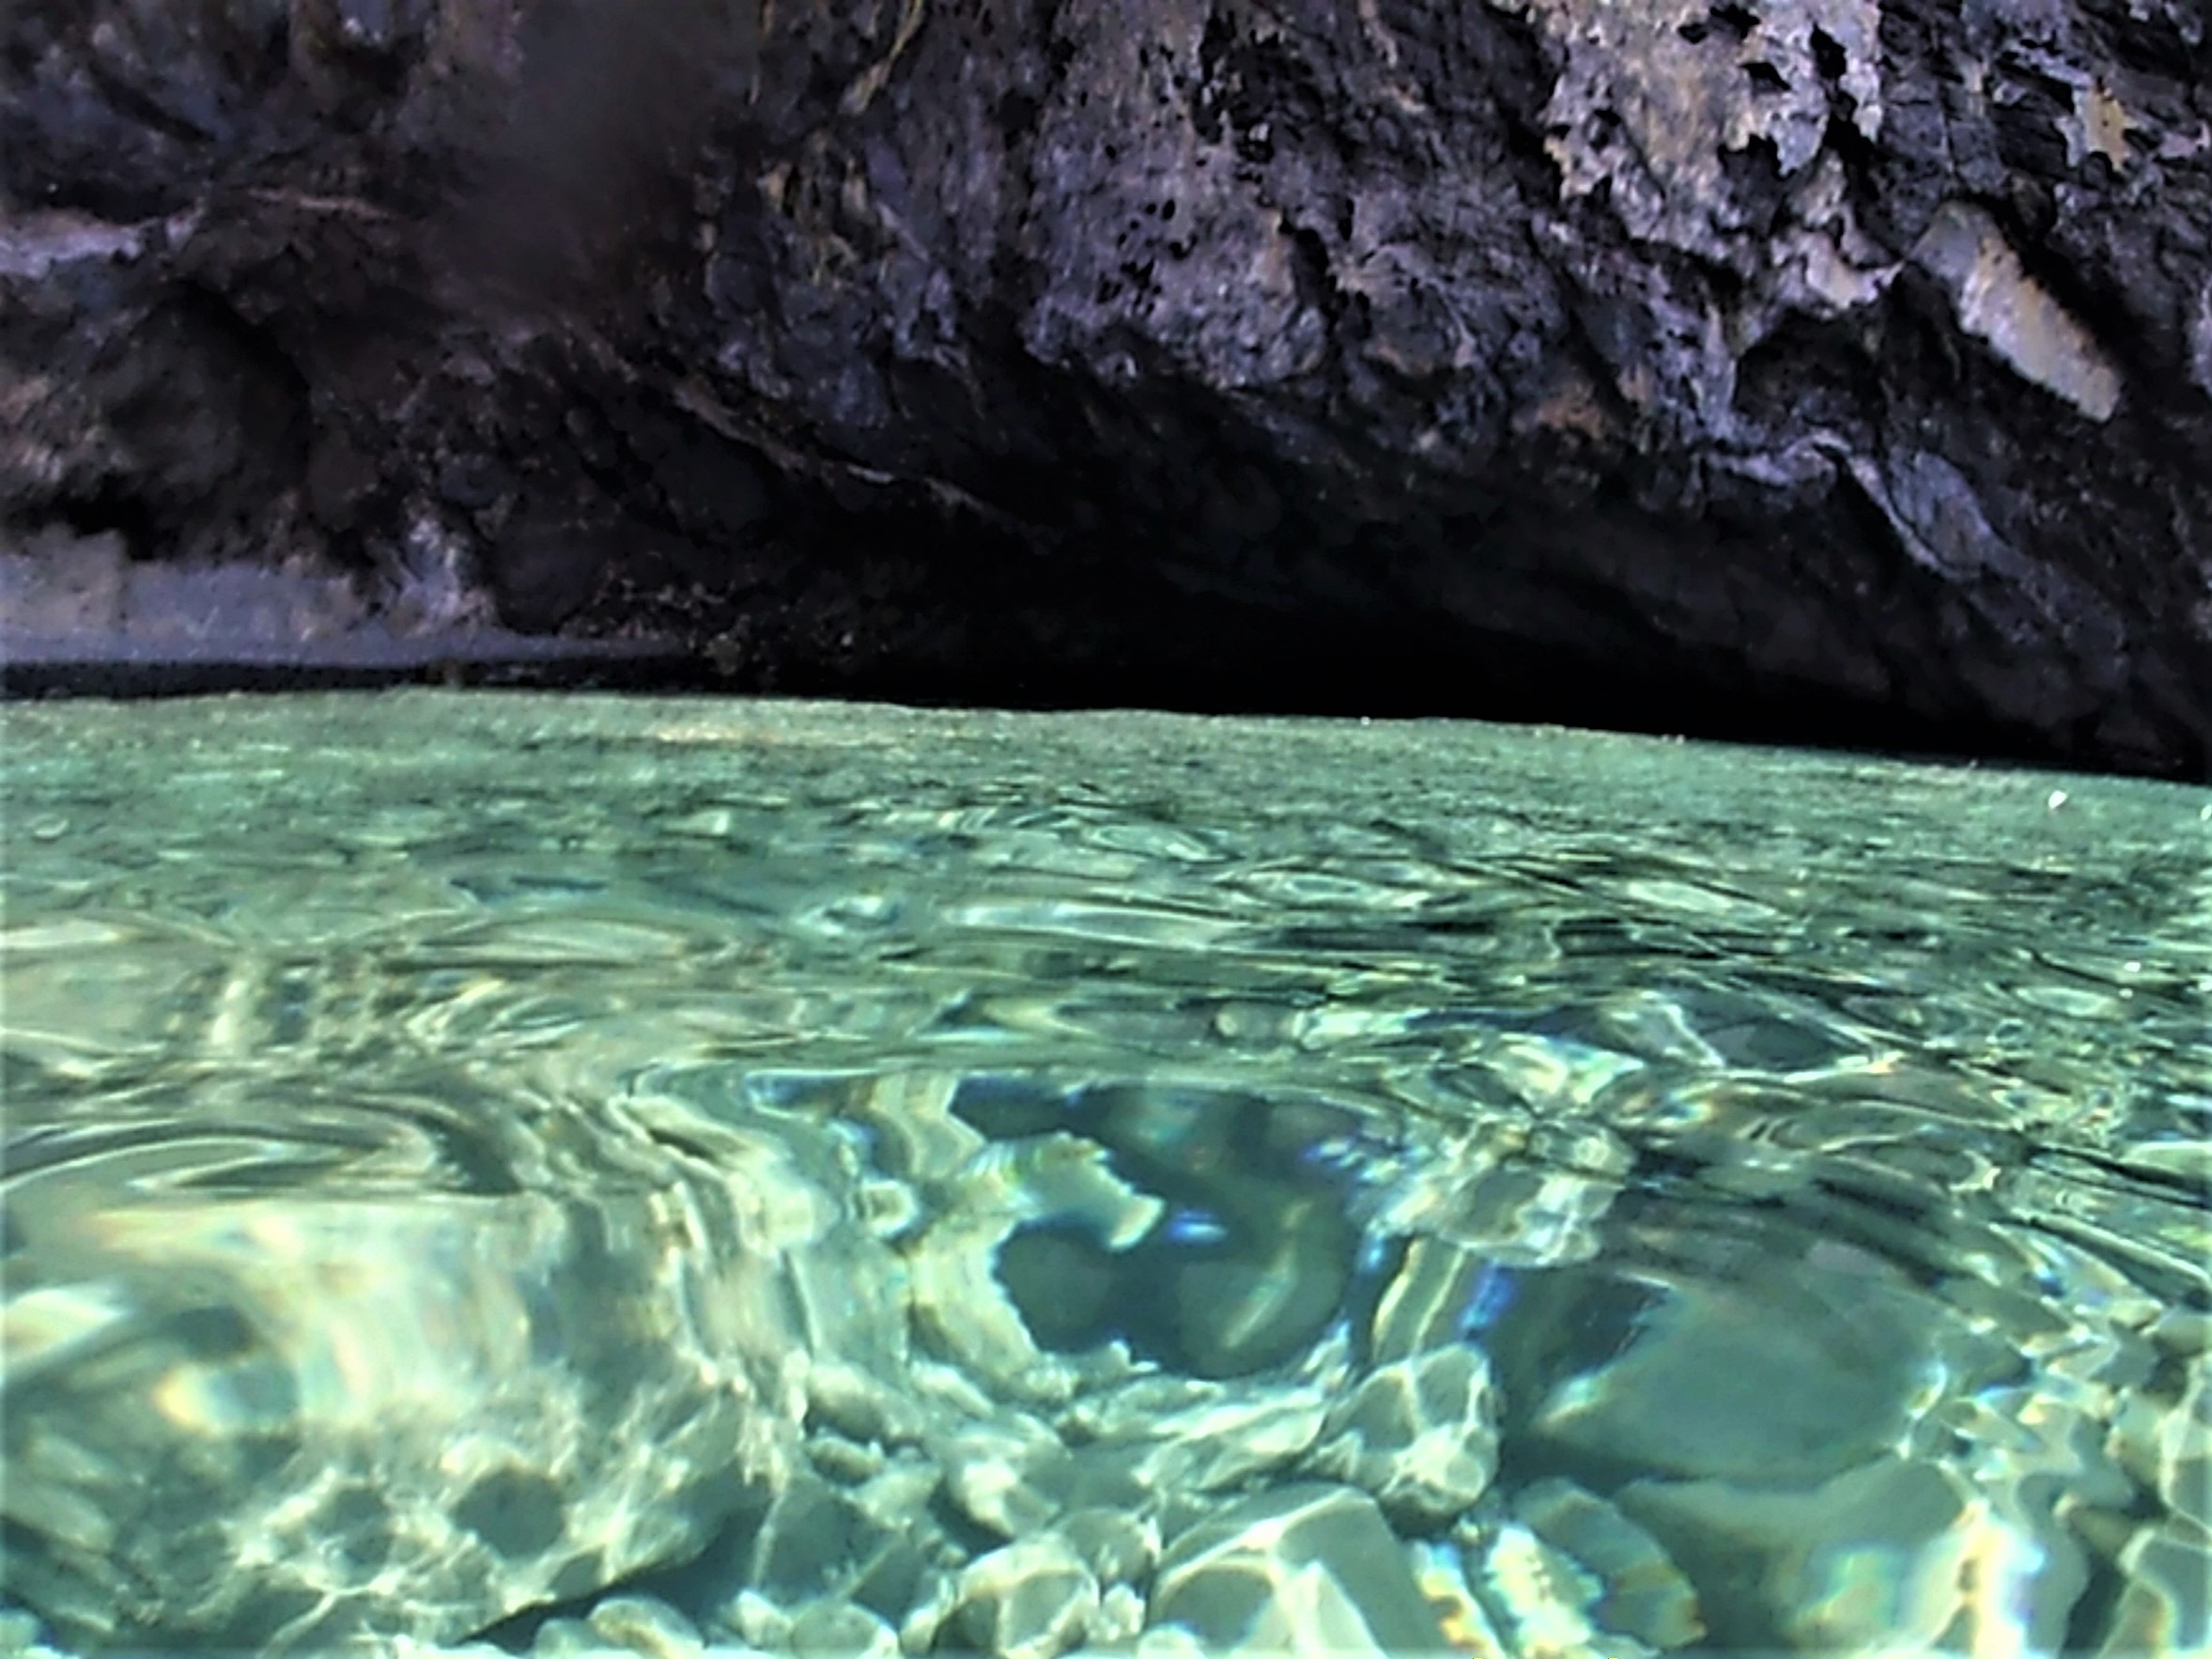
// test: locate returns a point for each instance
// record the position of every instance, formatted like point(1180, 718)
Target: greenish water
point(839, 1181)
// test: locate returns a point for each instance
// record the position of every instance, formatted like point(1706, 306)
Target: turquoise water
point(501, 1173)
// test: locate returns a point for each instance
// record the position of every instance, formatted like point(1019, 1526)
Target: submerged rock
point(1630, 1325)
point(1033, 1600)
point(1420, 1433)
point(1891, 1552)
point(1302, 1568)
point(648, 1628)
point(839, 1630)
point(410, 1393)
point(1640, 1591)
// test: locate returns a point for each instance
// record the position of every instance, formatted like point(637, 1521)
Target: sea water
point(506, 1173)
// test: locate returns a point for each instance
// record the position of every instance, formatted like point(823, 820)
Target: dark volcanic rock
point(1832, 369)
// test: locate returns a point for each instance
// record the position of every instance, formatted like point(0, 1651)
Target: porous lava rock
point(1833, 370)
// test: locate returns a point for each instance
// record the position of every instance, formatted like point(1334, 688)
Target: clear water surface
point(511, 1174)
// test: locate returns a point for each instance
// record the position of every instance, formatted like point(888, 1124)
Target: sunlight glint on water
point(580, 1175)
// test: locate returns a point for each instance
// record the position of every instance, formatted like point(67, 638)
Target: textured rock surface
point(1820, 367)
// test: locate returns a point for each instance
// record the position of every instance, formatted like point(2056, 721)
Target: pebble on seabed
point(1031, 1600)
point(1301, 1569)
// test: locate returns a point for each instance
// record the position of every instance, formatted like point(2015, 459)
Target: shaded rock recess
point(1828, 370)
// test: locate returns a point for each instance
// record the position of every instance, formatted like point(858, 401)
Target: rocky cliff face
point(1817, 369)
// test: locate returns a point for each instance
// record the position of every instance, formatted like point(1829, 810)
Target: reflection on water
point(626, 1176)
